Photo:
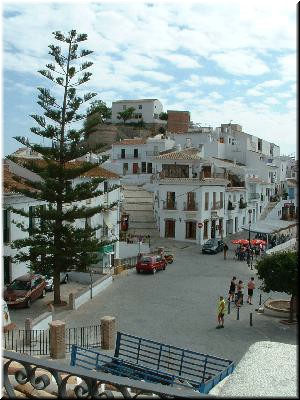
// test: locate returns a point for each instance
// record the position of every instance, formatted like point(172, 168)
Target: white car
point(64, 278)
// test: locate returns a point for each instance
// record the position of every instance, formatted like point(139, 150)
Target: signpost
point(200, 225)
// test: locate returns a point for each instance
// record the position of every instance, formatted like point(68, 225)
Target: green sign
point(109, 248)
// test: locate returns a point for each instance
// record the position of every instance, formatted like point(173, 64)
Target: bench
point(145, 359)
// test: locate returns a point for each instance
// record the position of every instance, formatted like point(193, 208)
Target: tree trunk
point(291, 316)
point(56, 284)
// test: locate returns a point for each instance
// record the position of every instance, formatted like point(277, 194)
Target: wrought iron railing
point(37, 342)
point(91, 384)
point(216, 206)
point(169, 205)
point(190, 206)
point(119, 156)
point(253, 196)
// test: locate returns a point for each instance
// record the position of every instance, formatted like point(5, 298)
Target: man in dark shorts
point(232, 287)
point(240, 294)
point(251, 286)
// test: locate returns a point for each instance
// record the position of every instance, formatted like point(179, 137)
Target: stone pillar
point(28, 329)
point(57, 339)
point(108, 333)
point(72, 301)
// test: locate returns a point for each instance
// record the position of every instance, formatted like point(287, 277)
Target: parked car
point(151, 263)
point(64, 278)
point(25, 289)
point(213, 246)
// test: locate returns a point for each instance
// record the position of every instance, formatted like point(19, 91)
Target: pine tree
point(55, 242)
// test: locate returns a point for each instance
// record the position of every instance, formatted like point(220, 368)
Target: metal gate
point(37, 342)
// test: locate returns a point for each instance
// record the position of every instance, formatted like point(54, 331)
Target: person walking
point(232, 288)
point(240, 294)
point(251, 287)
point(225, 249)
point(221, 312)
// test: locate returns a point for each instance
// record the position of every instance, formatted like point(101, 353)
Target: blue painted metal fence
point(140, 358)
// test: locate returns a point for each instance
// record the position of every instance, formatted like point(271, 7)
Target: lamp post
point(249, 212)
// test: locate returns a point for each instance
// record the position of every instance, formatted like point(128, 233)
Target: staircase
point(138, 203)
point(269, 207)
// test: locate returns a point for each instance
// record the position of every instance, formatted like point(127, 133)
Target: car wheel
point(43, 293)
point(28, 303)
point(164, 268)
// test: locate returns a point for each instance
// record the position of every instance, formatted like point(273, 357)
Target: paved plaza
point(178, 306)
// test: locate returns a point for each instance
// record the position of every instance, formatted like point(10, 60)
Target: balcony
point(242, 204)
point(230, 206)
point(169, 205)
point(152, 153)
point(253, 196)
point(128, 156)
point(190, 206)
point(216, 206)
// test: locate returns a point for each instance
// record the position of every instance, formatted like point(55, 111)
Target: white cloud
point(254, 92)
point(240, 63)
point(287, 67)
point(158, 76)
point(182, 61)
point(271, 100)
point(213, 80)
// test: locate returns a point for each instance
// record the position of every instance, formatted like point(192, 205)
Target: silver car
point(64, 278)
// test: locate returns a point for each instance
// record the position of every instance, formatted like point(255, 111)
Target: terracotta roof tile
point(10, 185)
point(128, 142)
point(96, 171)
point(186, 154)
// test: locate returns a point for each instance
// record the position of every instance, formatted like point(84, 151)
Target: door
point(171, 200)
point(169, 228)
point(6, 274)
point(213, 229)
point(135, 168)
point(190, 230)
point(125, 168)
point(144, 170)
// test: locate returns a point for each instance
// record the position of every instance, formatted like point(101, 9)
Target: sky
point(220, 60)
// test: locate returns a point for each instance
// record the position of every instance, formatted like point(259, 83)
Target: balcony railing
point(190, 206)
point(91, 384)
point(152, 153)
point(242, 204)
point(216, 206)
point(169, 205)
point(253, 196)
point(230, 206)
point(119, 156)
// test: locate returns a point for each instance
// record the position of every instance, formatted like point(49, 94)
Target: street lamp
point(249, 212)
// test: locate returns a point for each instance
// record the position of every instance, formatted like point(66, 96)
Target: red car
point(151, 263)
point(24, 289)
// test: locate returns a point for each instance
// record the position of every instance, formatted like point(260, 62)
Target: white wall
point(149, 108)
point(132, 249)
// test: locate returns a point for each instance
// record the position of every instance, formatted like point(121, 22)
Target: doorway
point(169, 228)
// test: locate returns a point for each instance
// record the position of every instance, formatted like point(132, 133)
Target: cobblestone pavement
point(178, 306)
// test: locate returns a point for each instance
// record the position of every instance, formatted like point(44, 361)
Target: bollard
point(251, 324)
point(260, 299)
point(228, 311)
point(238, 313)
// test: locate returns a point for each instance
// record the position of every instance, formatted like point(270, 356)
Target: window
point(221, 199)
point(143, 167)
point(229, 140)
point(214, 200)
point(6, 226)
point(105, 186)
point(155, 116)
point(135, 153)
point(206, 201)
point(205, 230)
point(122, 153)
point(190, 230)
point(140, 106)
point(124, 107)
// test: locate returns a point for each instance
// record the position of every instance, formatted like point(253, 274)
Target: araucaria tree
point(56, 242)
point(279, 273)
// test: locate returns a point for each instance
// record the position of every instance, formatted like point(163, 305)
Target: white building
point(134, 156)
point(147, 110)
point(191, 189)
point(10, 231)
point(108, 219)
